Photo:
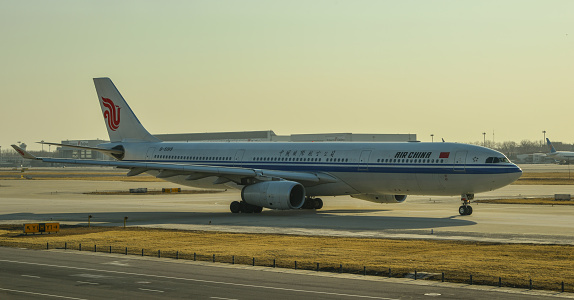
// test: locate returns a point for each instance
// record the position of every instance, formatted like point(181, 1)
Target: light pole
point(544, 139)
point(484, 139)
point(432, 138)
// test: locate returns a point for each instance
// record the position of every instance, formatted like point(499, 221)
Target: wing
point(194, 172)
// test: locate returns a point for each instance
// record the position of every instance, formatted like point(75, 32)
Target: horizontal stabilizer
point(108, 151)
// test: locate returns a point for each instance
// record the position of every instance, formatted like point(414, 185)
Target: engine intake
point(381, 198)
point(275, 194)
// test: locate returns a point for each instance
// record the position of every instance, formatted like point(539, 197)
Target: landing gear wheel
point(247, 208)
point(318, 203)
point(308, 204)
point(258, 209)
point(465, 210)
point(235, 207)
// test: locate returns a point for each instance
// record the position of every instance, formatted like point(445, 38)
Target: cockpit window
point(497, 160)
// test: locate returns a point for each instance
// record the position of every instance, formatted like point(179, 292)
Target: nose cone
point(514, 174)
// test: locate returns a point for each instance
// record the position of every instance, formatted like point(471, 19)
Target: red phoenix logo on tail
point(111, 114)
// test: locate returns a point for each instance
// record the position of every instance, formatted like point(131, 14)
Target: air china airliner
point(291, 175)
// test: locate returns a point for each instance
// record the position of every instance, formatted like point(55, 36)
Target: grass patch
point(545, 178)
point(546, 265)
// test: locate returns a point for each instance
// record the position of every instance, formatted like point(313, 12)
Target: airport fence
point(516, 281)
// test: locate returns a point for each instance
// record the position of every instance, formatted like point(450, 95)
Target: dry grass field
point(546, 178)
point(516, 264)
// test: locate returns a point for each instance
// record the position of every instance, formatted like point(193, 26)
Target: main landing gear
point(465, 209)
point(312, 203)
point(244, 207)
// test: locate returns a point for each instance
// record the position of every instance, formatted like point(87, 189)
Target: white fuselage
point(562, 156)
point(362, 168)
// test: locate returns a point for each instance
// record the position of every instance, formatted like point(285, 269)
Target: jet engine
point(382, 198)
point(275, 194)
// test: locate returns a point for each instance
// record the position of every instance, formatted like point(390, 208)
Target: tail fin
point(552, 150)
point(122, 123)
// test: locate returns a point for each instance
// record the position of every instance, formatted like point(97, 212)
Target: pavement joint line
point(327, 274)
point(40, 294)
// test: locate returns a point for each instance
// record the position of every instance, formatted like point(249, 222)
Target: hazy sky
point(454, 68)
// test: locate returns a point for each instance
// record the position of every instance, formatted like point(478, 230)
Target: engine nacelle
point(275, 194)
point(383, 198)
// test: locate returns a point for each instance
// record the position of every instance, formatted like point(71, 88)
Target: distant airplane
point(560, 156)
point(291, 175)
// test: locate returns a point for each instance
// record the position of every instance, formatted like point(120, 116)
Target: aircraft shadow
point(272, 219)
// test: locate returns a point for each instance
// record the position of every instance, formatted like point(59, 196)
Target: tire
point(247, 208)
point(462, 210)
point(308, 204)
point(318, 203)
point(258, 209)
point(235, 207)
point(468, 210)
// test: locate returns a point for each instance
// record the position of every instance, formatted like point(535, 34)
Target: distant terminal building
point(352, 137)
point(270, 136)
point(243, 136)
point(73, 153)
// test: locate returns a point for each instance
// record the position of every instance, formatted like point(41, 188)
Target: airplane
point(560, 156)
point(293, 175)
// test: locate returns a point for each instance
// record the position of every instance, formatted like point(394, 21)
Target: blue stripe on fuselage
point(354, 168)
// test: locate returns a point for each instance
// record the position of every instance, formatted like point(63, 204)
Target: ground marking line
point(86, 282)
point(200, 280)
point(219, 298)
point(150, 290)
point(31, 276)
point(41, 294)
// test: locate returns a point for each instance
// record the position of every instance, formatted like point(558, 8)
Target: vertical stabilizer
point(121, 122)
point(552, 150)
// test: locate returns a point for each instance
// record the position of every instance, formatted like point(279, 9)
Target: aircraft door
point(149, 154)
point(237, 161)
point(364, 160)
point(460, 161)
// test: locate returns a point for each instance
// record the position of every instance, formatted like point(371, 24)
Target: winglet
point(23, 153)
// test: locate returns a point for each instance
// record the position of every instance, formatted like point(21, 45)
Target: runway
point(59, 274)
point(419, 217)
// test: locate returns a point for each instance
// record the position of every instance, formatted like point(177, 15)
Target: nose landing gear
point(465, 209)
